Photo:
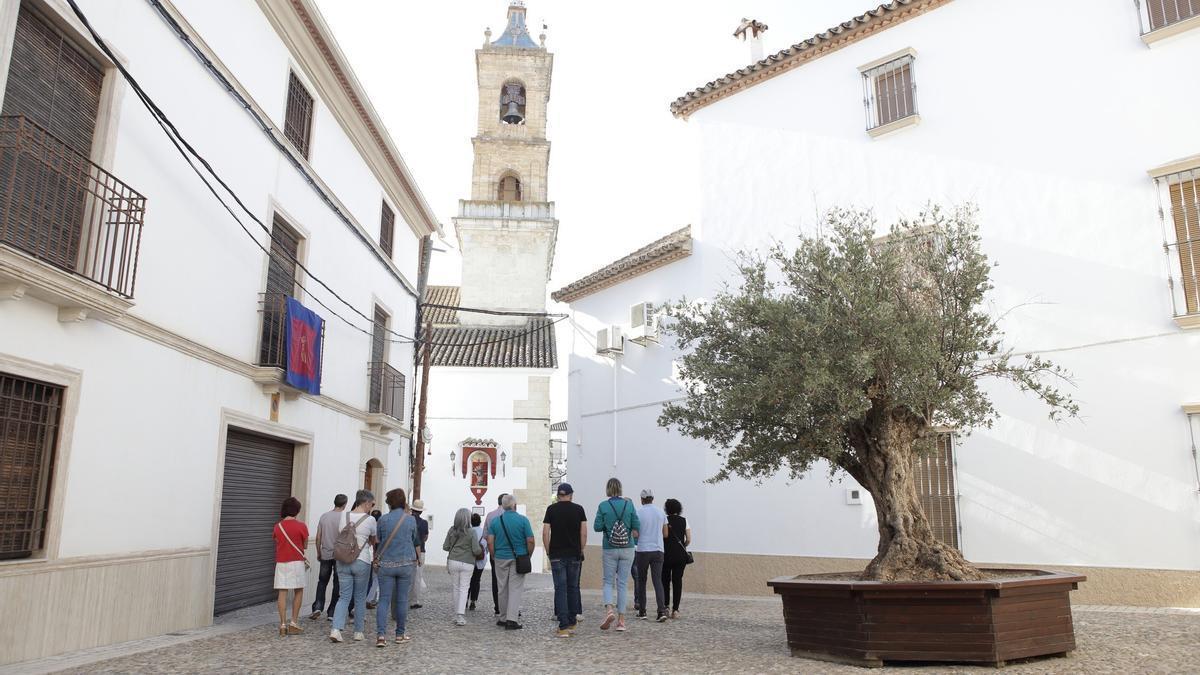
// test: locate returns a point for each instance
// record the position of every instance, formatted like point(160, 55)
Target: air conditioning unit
point(643, 323)
point(610, 341)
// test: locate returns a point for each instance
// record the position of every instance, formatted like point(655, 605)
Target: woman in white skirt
point(291, 537)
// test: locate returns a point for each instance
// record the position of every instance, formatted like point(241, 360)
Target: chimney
point(751, 30)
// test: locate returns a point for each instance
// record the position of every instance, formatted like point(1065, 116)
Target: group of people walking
point(363, 550)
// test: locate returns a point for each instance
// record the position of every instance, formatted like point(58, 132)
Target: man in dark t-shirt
point(564, 534)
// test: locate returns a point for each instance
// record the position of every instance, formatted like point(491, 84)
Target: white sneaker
point(358, 637)
point(460, 620)
point(335, 635)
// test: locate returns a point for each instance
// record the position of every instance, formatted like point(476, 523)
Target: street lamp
point(451, 462)
point(503, 460)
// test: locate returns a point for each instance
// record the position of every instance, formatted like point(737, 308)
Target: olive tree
point(854, 349)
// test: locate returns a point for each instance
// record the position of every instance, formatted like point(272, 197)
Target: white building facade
point(147, 435)
point(1088, 205)
point(492, 344)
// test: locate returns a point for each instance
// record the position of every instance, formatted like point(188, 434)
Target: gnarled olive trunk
point(907, 551)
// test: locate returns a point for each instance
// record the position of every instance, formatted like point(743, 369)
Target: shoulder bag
point(283, 532)
point(380, 549)
point(688, 558)
point(524, 564)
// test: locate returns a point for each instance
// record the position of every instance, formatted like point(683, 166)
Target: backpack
point(618, 536)
point(345, 547)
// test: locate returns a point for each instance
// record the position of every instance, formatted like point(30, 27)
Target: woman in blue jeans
point(397, 562)
point(354, 577)
point(617, 518)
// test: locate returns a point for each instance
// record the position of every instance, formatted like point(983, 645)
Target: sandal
point(403, 639)
point(293, 629)
point(282, 629)
point(608, 619)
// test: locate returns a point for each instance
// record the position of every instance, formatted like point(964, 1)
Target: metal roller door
point(258, 477)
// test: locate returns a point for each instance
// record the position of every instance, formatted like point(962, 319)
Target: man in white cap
point(648, 556)
point(418, 580)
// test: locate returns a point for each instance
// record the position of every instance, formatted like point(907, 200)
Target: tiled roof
point(440, 295)
point(559, 426)
point(528, 346)
point(670, 248)
point(848, 32)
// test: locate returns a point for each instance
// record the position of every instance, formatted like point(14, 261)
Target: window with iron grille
point(889, 92)
point(29, 419)
point(1155, 14)
point(387, 229)
point(297, 121)
point(937, 490)
point(1179, 211)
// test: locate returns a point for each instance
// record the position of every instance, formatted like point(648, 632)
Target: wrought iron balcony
point(387, 391)
point(272, 346)
point(60, 208)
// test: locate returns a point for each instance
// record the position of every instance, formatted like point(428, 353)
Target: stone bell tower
point(507, 230)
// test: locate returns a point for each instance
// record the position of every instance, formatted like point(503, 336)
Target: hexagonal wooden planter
point(869, 622)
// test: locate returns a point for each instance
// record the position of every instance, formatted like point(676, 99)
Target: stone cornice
point(844, 34)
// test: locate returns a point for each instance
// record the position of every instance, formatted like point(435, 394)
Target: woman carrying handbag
point(291, 536)
point(677, 557)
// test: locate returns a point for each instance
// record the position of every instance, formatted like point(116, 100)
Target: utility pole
point(419, 463)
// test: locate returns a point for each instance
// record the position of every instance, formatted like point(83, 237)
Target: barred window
point(889, 92)
point(936, 488)
point(297, 120)
point(387, 229)
point(1179, 210)
point(29, 419)
point(1155, 14)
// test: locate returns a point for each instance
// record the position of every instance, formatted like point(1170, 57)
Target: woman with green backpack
point(617, 518)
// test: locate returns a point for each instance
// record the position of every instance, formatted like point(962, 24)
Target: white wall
point(474, 403)
point(1051, 138)
point(146, 435)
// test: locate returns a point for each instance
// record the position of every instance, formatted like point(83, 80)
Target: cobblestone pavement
point(716, 634)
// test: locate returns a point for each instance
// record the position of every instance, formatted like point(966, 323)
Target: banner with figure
point(304, 329)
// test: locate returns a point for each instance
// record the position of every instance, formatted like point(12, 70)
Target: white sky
point(619, 163)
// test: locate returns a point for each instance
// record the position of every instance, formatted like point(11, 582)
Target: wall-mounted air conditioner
point(643, 323)
point(610, 341)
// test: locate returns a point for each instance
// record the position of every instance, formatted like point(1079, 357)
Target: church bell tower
point(507, 230)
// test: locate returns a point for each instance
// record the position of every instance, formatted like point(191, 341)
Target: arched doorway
point(373, 478)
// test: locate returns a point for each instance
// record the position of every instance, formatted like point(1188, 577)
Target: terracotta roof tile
point(528, 346)
point(848, 32)
point(441, 295)
point(670, 248)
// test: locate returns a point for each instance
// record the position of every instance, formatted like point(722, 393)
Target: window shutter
point(29, 419)
point(934, 477)
point(297, 121)
point(281, 284)
point(1185, 213)
point(53, 83)
point(387, 227)
point(893, 93)
point(1166, 12)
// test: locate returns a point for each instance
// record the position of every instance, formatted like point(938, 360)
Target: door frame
point(302, 439)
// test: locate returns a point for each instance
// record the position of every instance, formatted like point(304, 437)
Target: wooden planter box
point(869, 622)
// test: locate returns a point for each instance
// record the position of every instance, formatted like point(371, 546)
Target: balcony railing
point(1155, 14)
point(387, 390)
point(1179, 212)
point(471, 208)
point(1184, 259)
point(272, 349)
point(59, 207)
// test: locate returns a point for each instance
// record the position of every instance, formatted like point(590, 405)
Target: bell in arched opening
point(512, 103)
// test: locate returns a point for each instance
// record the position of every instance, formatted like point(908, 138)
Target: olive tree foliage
point(853, 349)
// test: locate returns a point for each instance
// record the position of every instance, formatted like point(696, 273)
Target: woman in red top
point(291, 536)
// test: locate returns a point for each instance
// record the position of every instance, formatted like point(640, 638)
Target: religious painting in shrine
point(479, 468)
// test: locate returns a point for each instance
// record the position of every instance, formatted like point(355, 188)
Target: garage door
point(258, 477)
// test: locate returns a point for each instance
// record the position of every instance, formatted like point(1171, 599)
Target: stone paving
point(716, 634)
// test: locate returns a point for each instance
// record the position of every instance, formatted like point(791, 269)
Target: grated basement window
point(29, 419)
